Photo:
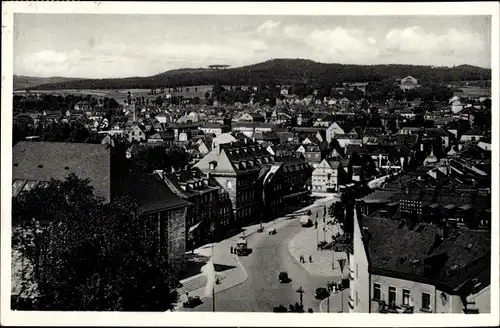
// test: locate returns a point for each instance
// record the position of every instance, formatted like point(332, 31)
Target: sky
point(113, 45)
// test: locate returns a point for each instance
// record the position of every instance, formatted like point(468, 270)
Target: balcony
point(383, 307)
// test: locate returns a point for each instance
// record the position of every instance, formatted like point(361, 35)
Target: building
point(408, 83)
point(162, 210)
point(286, 183)
point(312, 154)
point(237, 166)
point(328, 176)
point(214, 128)
point(209, 215)
point(111, 176)
point(135, 133)
point(404, 267)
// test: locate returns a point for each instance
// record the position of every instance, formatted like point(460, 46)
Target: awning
point(194, 227)
point(450, 207)
point(434, 205)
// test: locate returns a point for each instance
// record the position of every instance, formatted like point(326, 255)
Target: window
point(406, 297)
point(229, 185)
point(357, 299)
point(426, 301)
point(356, 270)
point(376, 292)
point(392, 294)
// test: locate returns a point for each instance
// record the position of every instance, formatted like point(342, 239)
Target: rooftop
point(42, 161)
point(417, 254)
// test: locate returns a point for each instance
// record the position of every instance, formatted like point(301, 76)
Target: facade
point(333, 130)
point(237, 166)
point(327, 176)
point(135, 133)
point(286, 182)
point(435, 269)
point(214, 128)
point(210, 210)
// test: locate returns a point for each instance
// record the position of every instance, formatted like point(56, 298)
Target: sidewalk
point(335, 305)
point(305, 243)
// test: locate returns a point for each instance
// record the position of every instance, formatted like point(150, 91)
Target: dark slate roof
point(195, 176)
point(395, 250)
point(41, 161)
point(148, 190)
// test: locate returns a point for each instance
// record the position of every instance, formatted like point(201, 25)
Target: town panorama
point(284, 186)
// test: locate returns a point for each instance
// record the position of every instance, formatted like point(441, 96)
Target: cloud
point(118, 59)
point(415, 39)
point(268, 27)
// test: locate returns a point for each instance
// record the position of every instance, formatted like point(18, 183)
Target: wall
point(416, 289)
point(222, 181)
point(176, 241)
point(360, 285)
point(319, 174)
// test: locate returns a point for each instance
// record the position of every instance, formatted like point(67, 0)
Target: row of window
point(405, 296)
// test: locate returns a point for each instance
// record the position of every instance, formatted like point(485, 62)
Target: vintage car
point(283, 277)
point(321, 293)
point(192, 302)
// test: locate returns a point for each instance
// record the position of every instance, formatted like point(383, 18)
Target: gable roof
point(42, 161)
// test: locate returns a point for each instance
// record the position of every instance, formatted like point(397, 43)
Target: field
point(121, 95)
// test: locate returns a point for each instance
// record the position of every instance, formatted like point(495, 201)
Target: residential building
point(236, 166)
point(209, 215)
point(214, 128)
point(311, 153)
point(328, 175)
point(405, 267)
point(333, 130)
point(286, 182)
point(135, 133)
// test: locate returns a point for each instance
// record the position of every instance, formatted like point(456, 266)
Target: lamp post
point(301, 292)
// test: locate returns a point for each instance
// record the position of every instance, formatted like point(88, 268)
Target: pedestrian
point(310, 259)
point(316, 224)
point(231, 249)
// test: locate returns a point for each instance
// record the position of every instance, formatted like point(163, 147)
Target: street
point(262, 291)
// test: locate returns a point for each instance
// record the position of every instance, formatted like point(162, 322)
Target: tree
point(87, 255)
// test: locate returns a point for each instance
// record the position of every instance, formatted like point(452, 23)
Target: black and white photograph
point(186, 163)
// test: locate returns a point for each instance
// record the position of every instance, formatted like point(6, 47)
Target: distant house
point(214, 128)
point(408, 83)
point(164, 136)
point(333, 130)
point(135, 133)
point(82, 106)
point(473, 135)
point(325, 177)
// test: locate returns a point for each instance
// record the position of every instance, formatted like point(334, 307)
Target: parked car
point(192, 302)
point(321, 293)
point(283, 277)
point(272, 232)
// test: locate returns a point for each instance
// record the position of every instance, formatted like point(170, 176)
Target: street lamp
point(301, 292)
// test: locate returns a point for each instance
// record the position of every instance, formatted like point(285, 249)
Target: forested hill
point(281, 71)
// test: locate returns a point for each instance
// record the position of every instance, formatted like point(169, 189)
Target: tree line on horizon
point(282, 72)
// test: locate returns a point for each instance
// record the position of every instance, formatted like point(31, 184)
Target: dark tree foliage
point(162, 157)
point(87, 255)
point(282, 71)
